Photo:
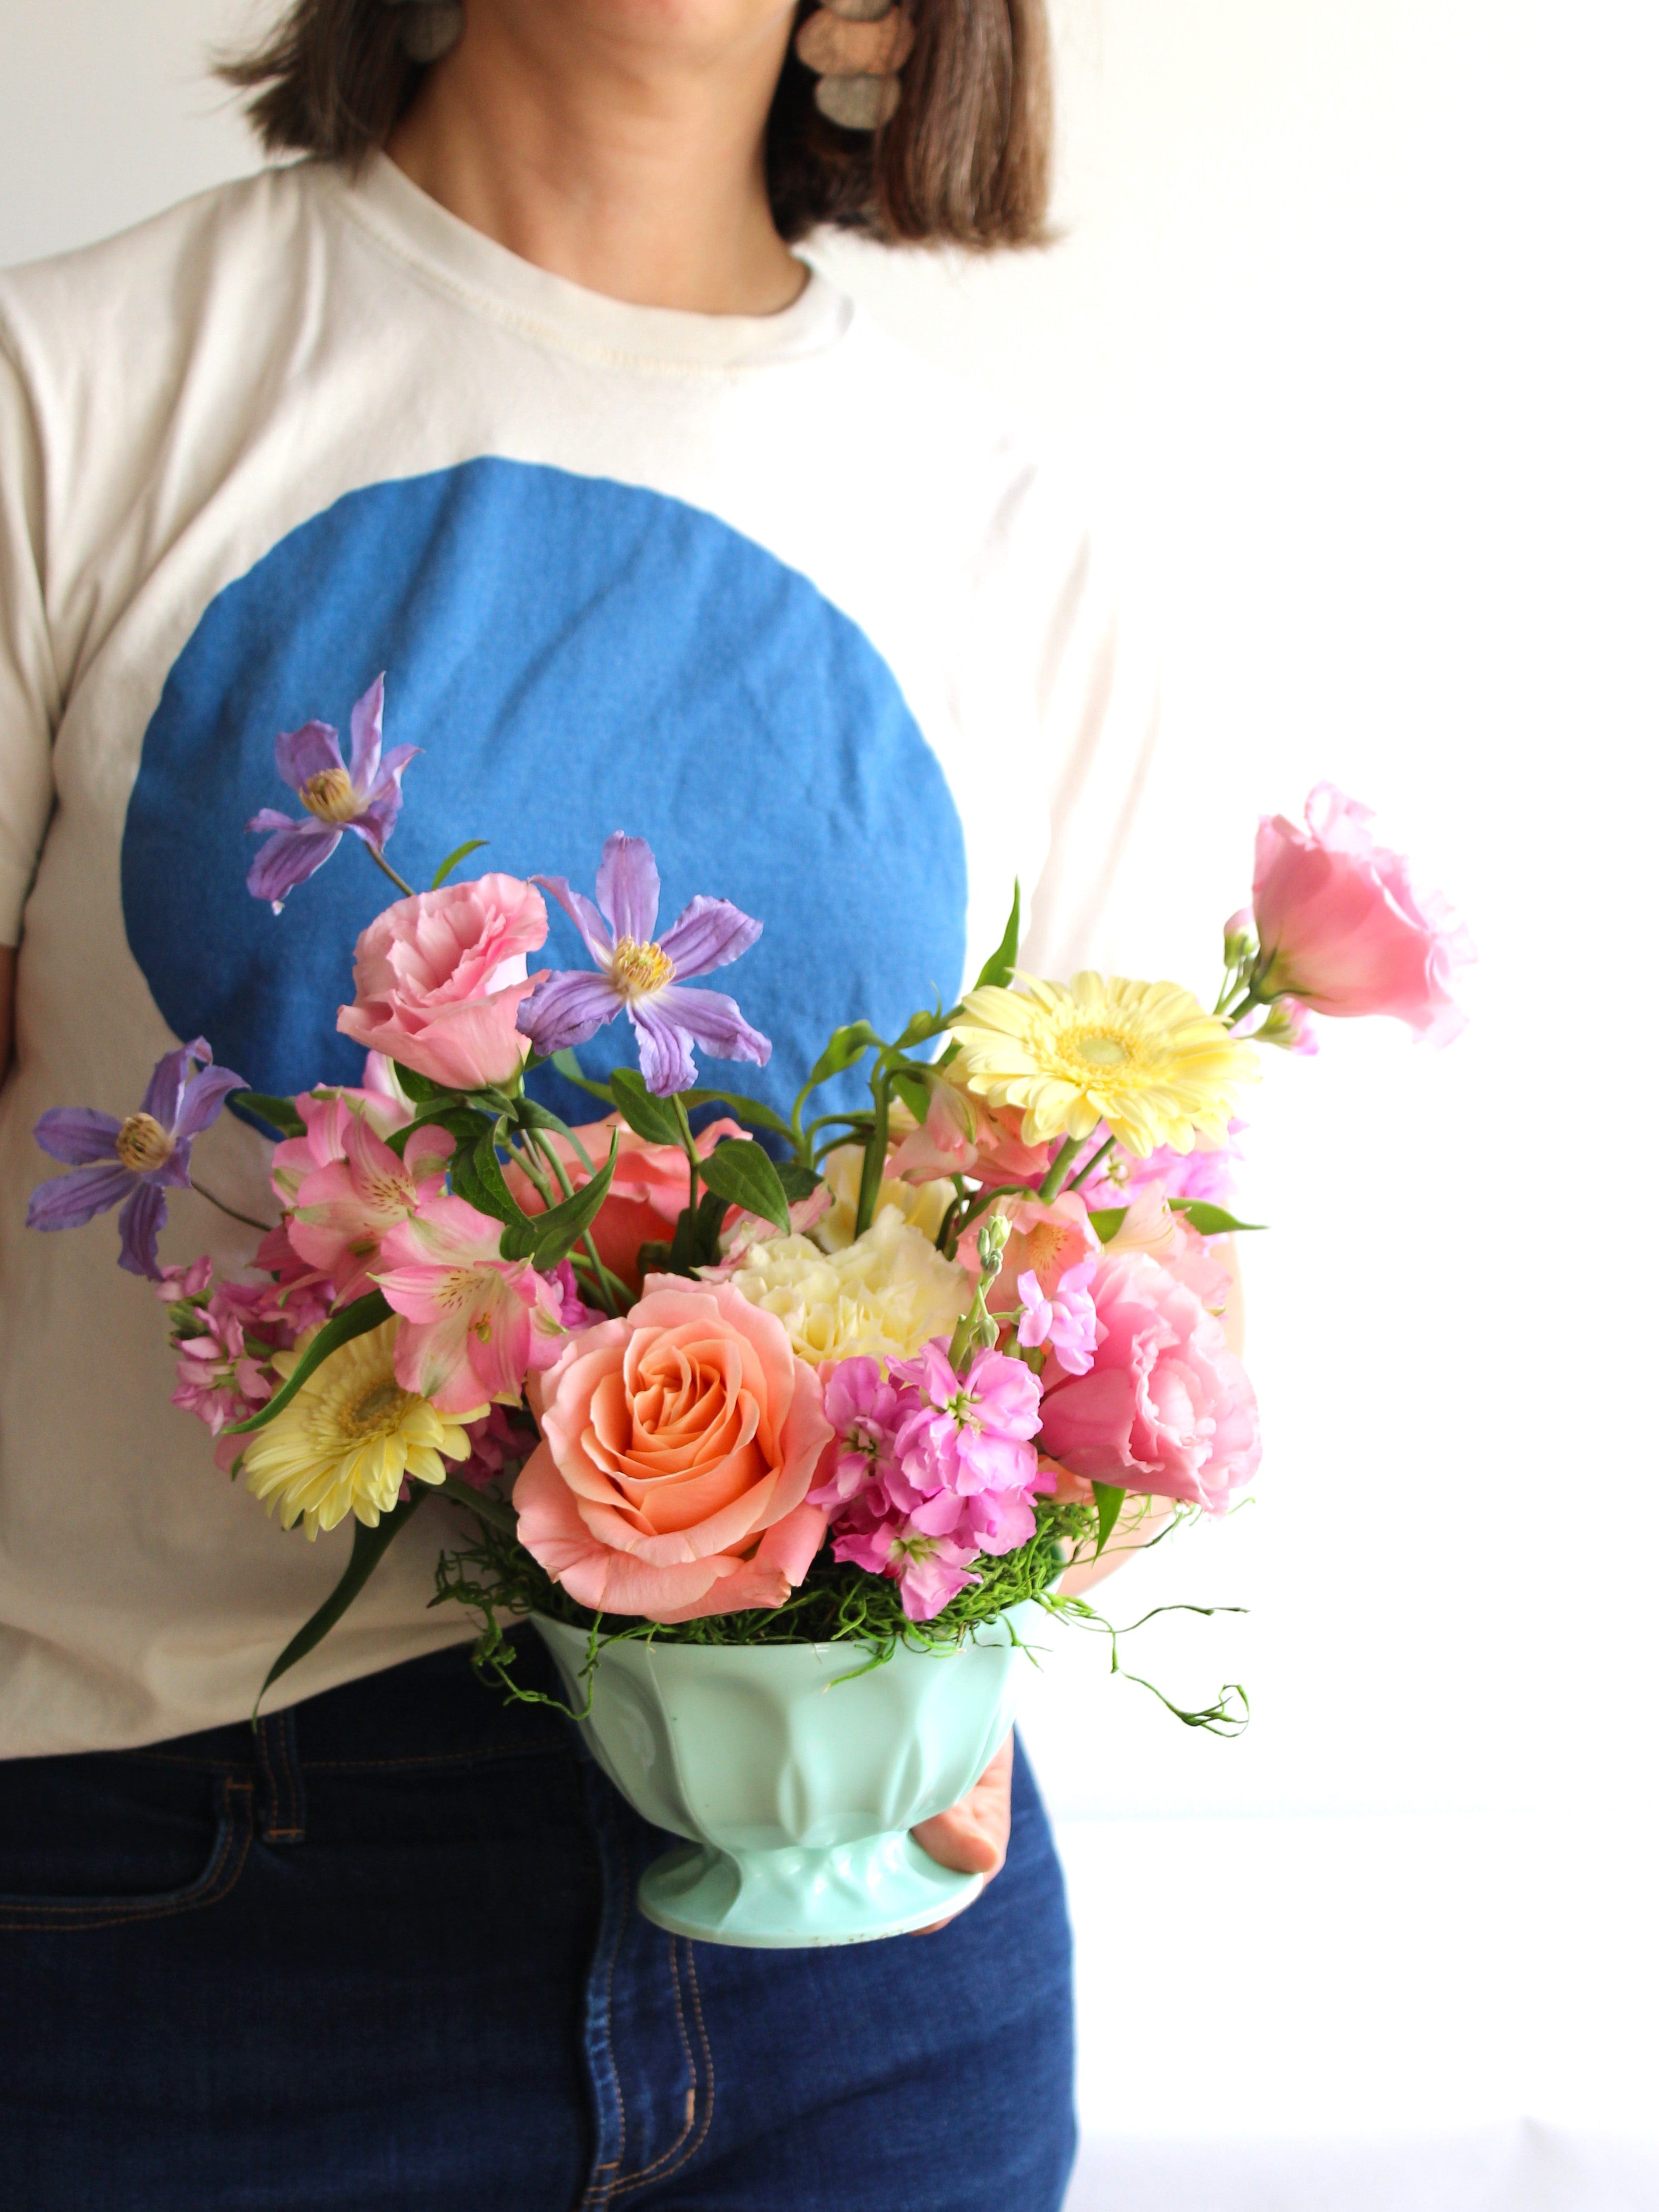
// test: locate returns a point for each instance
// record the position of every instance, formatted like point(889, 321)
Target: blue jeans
point(382, 1952)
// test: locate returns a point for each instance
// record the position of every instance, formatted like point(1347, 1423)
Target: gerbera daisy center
point(638, 970)
point(142, 1145)
point(378, 1411)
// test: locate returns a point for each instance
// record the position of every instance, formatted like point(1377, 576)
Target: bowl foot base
point(797, 1899)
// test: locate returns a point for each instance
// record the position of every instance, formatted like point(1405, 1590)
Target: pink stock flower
point(1205, 1173)
point(1340, 927)
point(502, 1441)
point(1165, 1407)
point(1064, 1321)
point(343, 1212)
point(440, 977)
point(680, 1443)
point(474, 1325)
point(865, 1410)
point(226, 1335)
point(300, 1292)
point(930, 1469)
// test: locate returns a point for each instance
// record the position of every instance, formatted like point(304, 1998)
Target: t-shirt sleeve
point(1097, 712)
point(28, 676)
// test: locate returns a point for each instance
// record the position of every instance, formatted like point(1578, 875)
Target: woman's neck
point(629, 162)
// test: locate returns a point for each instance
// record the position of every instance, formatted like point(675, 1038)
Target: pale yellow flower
point(1144, 1058)
point(922, 1204)
point(348, 1438)
point(885, 1295)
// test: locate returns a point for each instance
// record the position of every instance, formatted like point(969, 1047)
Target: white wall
point(1352, 327)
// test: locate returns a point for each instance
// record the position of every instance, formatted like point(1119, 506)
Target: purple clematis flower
point(641, 976)
point(137, 1160)
point(363, 798)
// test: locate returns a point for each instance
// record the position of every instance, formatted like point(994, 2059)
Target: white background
point(1353, 328)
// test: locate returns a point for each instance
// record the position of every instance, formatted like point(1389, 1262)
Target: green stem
point(875, 1155)
point(247, 1219)
point(386, 869)
point(689, 1145)
point(487, 1509)
point(1048, 1189)
point(1091, 1163)
point(612, 1286)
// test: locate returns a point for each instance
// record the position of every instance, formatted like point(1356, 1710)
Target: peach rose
point(647, 1191)
point(680, 1442)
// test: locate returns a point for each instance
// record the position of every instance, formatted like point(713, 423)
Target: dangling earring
point(857, 48)
point(429, 28)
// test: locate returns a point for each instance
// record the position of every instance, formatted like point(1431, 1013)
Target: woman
point(514, 389)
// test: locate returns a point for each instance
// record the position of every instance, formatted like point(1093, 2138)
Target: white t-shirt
point(770, 592)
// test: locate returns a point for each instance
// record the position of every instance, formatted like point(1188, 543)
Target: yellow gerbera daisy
point(348, 1438)
point(1144, 1058)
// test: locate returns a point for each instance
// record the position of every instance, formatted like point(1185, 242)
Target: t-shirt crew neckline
point(415, 228)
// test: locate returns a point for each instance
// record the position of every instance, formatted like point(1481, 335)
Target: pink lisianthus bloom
point(680, 1441)
point(1149, 1225)
point(343, 1212)
point(648, 1189)
point(1166, 1408)
point(474, 1325)
point(1064, 1321)
point(1342, 930)
point(440, 979)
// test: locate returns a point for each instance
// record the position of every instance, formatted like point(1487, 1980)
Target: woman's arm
point(7, 993)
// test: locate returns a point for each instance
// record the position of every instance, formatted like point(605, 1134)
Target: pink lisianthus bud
point(1165, 1407)
point(1342, 930)
point(440, 977)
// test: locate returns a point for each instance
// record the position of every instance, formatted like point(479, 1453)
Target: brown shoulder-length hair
point(964, 160)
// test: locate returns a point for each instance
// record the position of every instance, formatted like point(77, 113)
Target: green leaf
point(417, 1087)
point(565, 1225)
point(798, 1183)
point(533, 1116)
point(477, 1176)
point(748, 1109)
point(1107, 1223)
point(1210, 1220)
point(845, 1046)
point(999, 967)
point(745, 1175)
point(367, 1546)
point(462, 1123)
point(279, 1114)
point(649, 1117)
point(1108, 1504)
point(357, 1319)
point(570, 1067)
point(472, 845)
point(914, 1089)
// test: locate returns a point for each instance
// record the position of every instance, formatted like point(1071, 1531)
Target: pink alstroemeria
point(475, 1325)
point(643, 976)
point(343, 1212)
point(364, 798)
point(132, 1164)
point(1065, 1322)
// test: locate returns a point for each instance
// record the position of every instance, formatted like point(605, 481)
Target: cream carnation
point(923, 1205)
point(884, 1296)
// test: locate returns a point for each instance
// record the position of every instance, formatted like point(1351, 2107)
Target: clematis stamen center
point(329, 795)
point(142, 1145)
point(639, 970)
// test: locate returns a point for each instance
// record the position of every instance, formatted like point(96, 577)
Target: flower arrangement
point(788, 1377)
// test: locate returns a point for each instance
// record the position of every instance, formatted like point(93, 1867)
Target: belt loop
point(282, 1783)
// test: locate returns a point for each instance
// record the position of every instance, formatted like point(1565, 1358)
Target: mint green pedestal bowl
point(796, 1792)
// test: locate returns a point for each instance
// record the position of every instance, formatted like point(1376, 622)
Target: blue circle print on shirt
point(574, 656)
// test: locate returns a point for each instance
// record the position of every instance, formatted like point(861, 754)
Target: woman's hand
point(8, 995)
point(971, 1836)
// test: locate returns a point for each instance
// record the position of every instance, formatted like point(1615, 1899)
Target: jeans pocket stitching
point(680, 2152)
point(231, 1838)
